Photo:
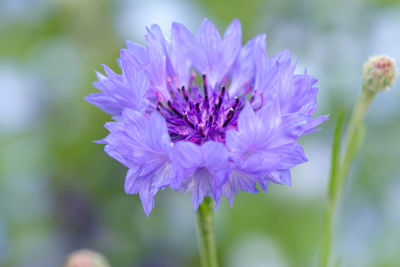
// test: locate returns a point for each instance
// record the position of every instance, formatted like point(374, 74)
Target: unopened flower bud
point(86, 258)
point(379, 73)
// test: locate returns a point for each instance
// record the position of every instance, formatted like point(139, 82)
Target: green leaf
point(335, 156)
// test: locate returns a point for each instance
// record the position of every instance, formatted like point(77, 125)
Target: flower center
point(196, 116)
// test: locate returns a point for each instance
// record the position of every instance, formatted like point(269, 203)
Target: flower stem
point(340, 169)
point(205, 229)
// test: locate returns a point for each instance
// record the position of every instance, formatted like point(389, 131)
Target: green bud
point(86, 258)
point(379, 73)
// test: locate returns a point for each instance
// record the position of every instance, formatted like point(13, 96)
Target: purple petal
point(215, 56)
point(188, 155)
point(138, 51)
point(104, 102)
point(244, 67)
point(202, 169)
point(266, 75)
point(201, 184)
point(312, 123)
point(121, 91)
point(264, 184)
point(247, 120)
point(111, 74)
point(239, 180)
point(158, 63)
point(215, 156)
point(182, 42)
point(284, 157)
point(301, 97)
point(147, 199)
point(135, 80)
point(209, 41)
point(283, 176)
point(142, 144)
point(255, 129)
point(291, 128)
point(142, 186)
point(230, 48)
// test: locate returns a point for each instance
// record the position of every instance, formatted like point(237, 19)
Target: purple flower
point(235, 128)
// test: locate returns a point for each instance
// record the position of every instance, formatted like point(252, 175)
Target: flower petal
point(312, 123)
point(135, 80)
point(229, 50)
point(182, 42)
point(283, 157)
point(202, 170)
point(242, 73)
point(214, 55)
point(158, 64)
point(209, 41)
point(139, 52)
point(141, 186)
point(143, 145)
point(105, 102)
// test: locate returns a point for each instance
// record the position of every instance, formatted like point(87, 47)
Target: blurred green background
point(60, 192)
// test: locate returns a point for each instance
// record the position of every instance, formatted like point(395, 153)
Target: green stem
point(353, 138)
point(340, 169)
point(205, 229)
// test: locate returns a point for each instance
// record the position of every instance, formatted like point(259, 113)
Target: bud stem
point(355, 123)
point(340, 169)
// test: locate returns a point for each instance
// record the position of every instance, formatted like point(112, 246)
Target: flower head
point(86, 258)
point(379, 73)
point(204, 114)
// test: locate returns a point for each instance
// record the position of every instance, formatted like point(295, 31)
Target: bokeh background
point(60, 192)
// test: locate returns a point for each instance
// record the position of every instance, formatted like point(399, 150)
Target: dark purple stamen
point(210, 119)
point(220, 98)
point(160, 105)
point(200, 116)
point(229, 117)
point(222, 91)
point(198, 107)
point(184, 94)
point(201, 131)
point(236, 102)
point(188, 121)
point(205, 87)
point(174, 109)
